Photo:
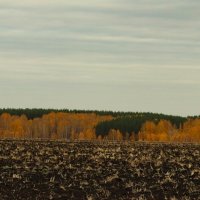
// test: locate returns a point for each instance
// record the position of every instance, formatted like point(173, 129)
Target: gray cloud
point(109, 54)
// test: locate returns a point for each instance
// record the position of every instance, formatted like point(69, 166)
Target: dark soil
point(60, 170)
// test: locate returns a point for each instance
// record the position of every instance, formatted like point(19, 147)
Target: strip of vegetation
point(133, 123)
point(39, 112)
point(92, 125)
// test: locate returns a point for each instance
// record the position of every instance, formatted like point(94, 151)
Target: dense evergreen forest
point(88, 124)
point(133, 122)
point(39, 112)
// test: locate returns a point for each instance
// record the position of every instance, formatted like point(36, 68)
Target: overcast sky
point(120, 55)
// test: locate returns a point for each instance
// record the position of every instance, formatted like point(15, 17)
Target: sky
point(119, 55)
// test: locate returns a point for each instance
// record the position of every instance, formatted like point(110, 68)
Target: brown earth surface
point(92, 170)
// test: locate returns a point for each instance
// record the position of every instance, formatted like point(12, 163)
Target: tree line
point(39, 112)
point(32, 113)
point(101, 125)
point(73, 126)
point(134, 122)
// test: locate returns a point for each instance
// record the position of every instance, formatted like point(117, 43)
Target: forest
point(97, 125)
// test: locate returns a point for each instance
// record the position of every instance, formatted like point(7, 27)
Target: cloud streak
point(119, 50)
